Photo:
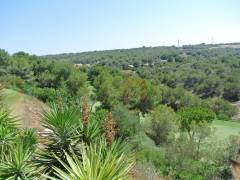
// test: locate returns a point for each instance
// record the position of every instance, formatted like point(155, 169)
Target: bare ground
point(25, 108)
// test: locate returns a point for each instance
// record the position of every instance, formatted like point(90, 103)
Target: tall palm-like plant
point(62, 125)
point(66, 131)
point(98, 162)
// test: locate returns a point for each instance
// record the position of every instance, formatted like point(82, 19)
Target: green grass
point(224, 129)
point(11, 97)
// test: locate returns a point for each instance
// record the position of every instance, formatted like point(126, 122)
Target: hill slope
point(147, 55)
point(26, 108)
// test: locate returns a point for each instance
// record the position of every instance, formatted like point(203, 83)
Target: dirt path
point(26, 108)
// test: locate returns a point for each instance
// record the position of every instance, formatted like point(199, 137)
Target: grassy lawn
point(224, 129)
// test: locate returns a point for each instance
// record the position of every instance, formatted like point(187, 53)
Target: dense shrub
point(14, 82)
point(163, 123)
point(221, 107)
point(127, 122)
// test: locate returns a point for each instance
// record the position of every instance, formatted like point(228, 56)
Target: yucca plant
point(62, 123)
point(18, 163)
point(6, 120)
point(91, 131)
point(98, 161)
point(67, 132)
point(7, 137)
point(28, 138)
point(63, 126)
point(8, 133)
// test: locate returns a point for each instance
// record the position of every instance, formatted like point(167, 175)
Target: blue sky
point(58, 26)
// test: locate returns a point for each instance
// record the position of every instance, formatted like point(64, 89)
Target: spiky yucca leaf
point(63, 125)
point(97, 162)
point(91, 131)
point(8, 133)
point(18, 164)
point(7, 121)
point(28, 138)
point(7, 138)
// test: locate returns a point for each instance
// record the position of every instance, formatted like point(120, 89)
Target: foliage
point(145, 170)
point(3, 56)
point(220, 107)
point(97, 162)
point(62, 125)
point(178, 98)
point(191, 160)
point(168, 86)
point(7, 121)
point(127, 121)
point(194, 117)
point(17, 147)
point(18, 165)
point(156, 157)
point(163, 124)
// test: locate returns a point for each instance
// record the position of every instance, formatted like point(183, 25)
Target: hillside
point(26, 108)
point(177, 91)
point(146, 56)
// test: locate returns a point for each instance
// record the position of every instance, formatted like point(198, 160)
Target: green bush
point(163, 123)
point(14, 82)
point(127, 122)
point(155, 156)
point(221, 107)
point(45, 94)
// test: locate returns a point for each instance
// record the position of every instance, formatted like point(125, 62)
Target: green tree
point(231, 92)
point(108, 89)
point(163, 123)
point(221, 107)
point(4, 56)
point(76, 81)
point(193, 117)
point(150, 96)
